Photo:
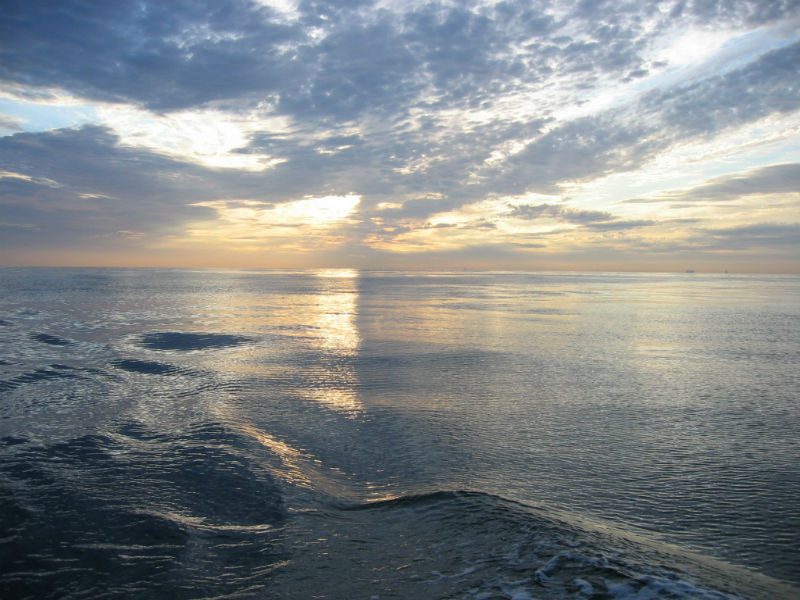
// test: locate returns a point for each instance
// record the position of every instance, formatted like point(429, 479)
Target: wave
point(159, 513)
point(479, 545)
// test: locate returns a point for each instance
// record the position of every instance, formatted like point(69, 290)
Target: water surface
point(345, 434)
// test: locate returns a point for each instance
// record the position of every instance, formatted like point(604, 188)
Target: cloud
point(773, 179)
point(352, 72)
point(88, 187)
point(571, 215)
point(737, 13)
point(589, 220)
point(620, 140)
point(620, 225)
point(755, 235)
point(11, 124)
point(165, 56)
point(765, 86)
point(337, 60)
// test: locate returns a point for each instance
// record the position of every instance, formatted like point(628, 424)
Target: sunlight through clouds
point(302, 225)
point(317, 212)
point(207, 137)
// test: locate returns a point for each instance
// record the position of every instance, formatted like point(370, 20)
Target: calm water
point(257, 434)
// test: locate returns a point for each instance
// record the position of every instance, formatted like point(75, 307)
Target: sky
point(401, 134)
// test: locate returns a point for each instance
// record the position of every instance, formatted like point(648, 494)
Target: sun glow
point(320, 212)
point(302, 225)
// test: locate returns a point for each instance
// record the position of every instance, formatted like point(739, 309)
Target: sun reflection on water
point(335, 323)
point(337, 273)
point(306, 337)
point(334, 311)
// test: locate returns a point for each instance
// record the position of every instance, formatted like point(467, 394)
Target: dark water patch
point(88, 447)
point(145, 366)
point(53, 340)
point(10, 440)
point(38, 375)
point(142, 515)
point(63, 367)
point(68, 558)
point(203, 386)
point(173, 340)
point(4, 323)
point(138, 431)
point(5, 363)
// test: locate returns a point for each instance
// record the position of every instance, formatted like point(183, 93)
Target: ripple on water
point(126, 512)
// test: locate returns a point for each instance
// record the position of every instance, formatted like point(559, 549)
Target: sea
point(345, 434)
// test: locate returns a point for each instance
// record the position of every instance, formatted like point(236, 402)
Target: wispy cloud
point(572, 215)
point(756, 235)
point(774, 179)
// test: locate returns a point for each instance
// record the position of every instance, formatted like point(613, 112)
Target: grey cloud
point(758, 235)
point(168, 56)
point(17, 226)
point(442, 226)
point(374, 166)
point(622, 140)
point(90, 161)
point(434, 57)
point(750, 12)
point(594, 220)
point(529, 245)
point(8, 123)
point(163, 55)
point(333, 165)
point(21, 188)
point(620, 225)
point(765, 86)
point(657, 200)
point(423, 207)
point(578, 150)
point(90, 186)
point(338, 143)
point(483, 225)
point(351, 72)
point(465, 55)
point(773, 179)
point(571, 215)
